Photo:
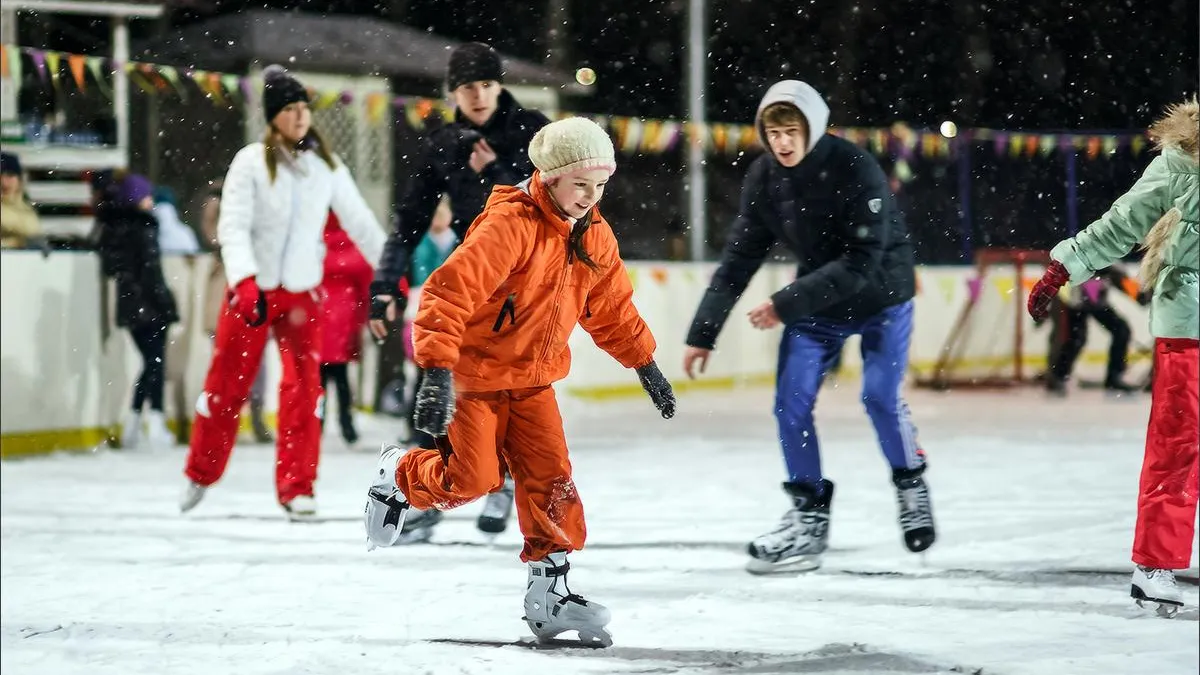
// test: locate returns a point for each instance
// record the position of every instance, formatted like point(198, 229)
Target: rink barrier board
point(68, 371)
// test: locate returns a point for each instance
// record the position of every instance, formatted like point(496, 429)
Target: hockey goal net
point(989, 344)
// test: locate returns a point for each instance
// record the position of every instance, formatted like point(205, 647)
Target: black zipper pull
point(509, 309)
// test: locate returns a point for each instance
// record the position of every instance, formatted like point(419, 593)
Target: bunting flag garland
point(631, 135)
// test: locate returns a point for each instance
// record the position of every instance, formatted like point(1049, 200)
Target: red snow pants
point(1170, 480)
point(521, 429)
point(295, 320)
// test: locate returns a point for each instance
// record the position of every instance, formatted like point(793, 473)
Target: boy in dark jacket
point(827, 201)
point(486, 145)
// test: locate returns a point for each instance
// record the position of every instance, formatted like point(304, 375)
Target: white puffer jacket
point(274, 230)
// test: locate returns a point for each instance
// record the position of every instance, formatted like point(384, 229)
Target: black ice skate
point(802, 535)
point(497, 509)
point(916, 511)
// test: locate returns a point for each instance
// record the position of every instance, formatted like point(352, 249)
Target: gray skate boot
point(497, 509)
point(802, 535)
point(551, 608)
point(386, 505)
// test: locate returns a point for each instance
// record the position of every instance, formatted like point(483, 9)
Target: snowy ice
point(1034, 499)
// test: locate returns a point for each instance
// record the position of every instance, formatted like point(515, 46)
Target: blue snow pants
point(808, 349)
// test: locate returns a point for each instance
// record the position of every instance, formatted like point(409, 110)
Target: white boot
point(303, 507)
point(1156, 588)
point(131, 430)
point(192, 495)
point(551, 608)
point(386, 507)
point(157, 433)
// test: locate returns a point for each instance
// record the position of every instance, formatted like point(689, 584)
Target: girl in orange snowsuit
point(491, 334)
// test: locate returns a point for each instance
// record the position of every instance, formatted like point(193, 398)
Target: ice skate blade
point(1166, 609)
point(591, 638)
point(794, 565)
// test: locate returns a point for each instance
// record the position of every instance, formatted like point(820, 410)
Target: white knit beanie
point(570, 146)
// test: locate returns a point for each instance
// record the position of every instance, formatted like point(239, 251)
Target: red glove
point(248, 301)
point(1045, 289)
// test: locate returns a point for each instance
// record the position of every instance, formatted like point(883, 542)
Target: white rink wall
point(67, 371)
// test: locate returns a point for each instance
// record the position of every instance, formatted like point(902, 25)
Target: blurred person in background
point(1089, 300)
point(486, 145)
point(274, 203)
point(345, 300)
point(1161, 212)
point(214, 299)
point(174, 236)
point(129, 254)
point(18, 219)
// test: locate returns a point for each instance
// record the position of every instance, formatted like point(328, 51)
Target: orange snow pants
point(520, 428)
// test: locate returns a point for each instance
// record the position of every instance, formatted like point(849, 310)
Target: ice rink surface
point(1034, 501)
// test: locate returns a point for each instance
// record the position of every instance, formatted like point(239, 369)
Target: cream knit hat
point(570, 146)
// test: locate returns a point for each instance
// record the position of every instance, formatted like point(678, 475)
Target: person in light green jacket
point(1162, 213)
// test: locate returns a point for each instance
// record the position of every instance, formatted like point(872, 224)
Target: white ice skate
point(552, 609)
point(301, 508)
point(192, 494)
point(1156, 589)
point(386, 505)
point(497, 508)
point(801, 537)
point(131, 430)
point(158, 436)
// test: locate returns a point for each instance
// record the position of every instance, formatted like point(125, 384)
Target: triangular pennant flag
point(230, 82)
point(53, 60)
point(4, 62)
point(94, 64)
point(14, 63)
point(200, 77)
point(39, 62)
point(77, 65)
point(139, 78)
point(1005, 285)
point(214, 86)
point(171, 75)
point(946, 287)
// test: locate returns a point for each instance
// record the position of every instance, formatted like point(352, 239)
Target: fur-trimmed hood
point(1179, 127)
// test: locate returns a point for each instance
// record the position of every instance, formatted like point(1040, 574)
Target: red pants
point(1167, 497)
point(237, 350)
point(524, 426)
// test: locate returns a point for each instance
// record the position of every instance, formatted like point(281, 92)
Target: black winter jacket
point(443, 168)
point(129, 254)
point(836, 213)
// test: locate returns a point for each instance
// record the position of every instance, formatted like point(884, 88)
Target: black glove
point(658, 388)
point(379, 307)
point(435, 402)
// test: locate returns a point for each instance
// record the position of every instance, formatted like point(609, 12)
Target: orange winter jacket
point(499, 311)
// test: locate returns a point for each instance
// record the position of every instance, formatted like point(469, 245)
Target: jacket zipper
point(562, 281)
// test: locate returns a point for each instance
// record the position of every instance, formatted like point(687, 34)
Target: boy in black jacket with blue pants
point(828, 201)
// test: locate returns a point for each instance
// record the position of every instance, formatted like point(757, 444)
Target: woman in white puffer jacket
point(276, 198)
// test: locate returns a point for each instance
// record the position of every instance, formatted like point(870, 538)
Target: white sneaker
point(386, 507)
point(131, 430)
point(157, 433)
point(551, 608)
point(1156, 588)
point(192, 495)
point(303, 507)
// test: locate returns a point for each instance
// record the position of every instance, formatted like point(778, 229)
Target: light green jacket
point(1171, 181)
